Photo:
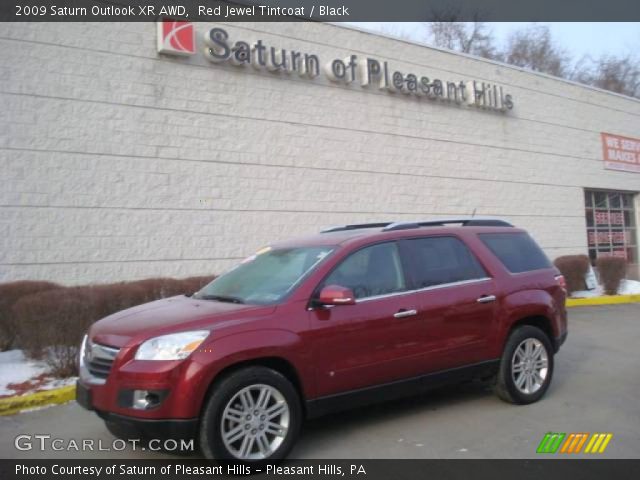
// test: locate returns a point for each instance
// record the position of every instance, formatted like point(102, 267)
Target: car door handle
point(405, 313)
point(486, 299)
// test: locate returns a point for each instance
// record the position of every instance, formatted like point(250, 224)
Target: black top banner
point(322, 10)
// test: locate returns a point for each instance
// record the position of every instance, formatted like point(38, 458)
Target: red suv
point(354, 315)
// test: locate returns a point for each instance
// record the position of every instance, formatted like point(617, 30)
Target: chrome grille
point(99, 358)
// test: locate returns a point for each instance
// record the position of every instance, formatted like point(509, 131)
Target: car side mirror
point(336, 295)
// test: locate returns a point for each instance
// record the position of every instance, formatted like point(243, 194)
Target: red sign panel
point(176, 38)
point(602, 217)
point(606, 238)
point(618, 252)
point(617, 218)
point(618, 237)
point(621, 153)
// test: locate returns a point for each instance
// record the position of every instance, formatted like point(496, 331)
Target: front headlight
point(83, 348)
point(176, 346)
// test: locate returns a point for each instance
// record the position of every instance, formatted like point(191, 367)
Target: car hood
point(171, 315)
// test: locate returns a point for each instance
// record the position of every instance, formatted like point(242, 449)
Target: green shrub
point(10, 293)
point(574, 268)
point(611, 271)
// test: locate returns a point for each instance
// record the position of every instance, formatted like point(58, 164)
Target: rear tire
point(252, 417)
point(526, 366)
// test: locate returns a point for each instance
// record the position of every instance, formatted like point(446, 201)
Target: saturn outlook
point(350, 316)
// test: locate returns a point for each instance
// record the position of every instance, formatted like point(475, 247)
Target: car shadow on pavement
point(444, 397)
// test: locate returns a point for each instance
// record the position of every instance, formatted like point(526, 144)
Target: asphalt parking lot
point(596, 388)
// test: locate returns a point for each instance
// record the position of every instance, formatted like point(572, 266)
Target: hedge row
point(611, 272)
point(10, 293)
point(574, 268)
point(48, 321)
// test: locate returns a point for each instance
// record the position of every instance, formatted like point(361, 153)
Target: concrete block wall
point(117, 163)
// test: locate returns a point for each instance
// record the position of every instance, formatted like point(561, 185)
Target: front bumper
point(130, 427)
point(176, 388)
point(83, 396)
point(117, 386)
point(134, 427)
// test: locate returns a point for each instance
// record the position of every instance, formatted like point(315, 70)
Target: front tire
point(253, 416)
point(526, 366)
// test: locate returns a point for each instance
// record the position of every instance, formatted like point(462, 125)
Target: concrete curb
point(12, 405)
point(606, 300)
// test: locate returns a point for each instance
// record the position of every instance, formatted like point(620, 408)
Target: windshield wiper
point(221, 298)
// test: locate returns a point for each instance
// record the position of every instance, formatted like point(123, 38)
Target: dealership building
point(133, 150)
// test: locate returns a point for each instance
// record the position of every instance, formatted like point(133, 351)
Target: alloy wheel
point(255, 422)
point(530, 366)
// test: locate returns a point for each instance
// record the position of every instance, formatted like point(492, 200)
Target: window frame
point(503, 264)
point(316, 291)
point(600, 235)
point(410, 287)
point(409, 265)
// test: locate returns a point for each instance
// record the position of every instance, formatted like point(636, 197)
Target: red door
point(456, 299)
point(366, 344)
point(377, 340)
point(458, 322)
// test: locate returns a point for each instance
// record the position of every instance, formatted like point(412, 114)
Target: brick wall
point(117, 163)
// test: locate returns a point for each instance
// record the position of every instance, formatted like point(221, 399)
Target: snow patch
point(20, 375)
point(15, 368)
point(627, 287)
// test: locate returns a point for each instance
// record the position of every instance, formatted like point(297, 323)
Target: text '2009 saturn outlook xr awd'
point(353, 315)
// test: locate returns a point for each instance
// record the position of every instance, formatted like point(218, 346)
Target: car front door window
point(371, 272)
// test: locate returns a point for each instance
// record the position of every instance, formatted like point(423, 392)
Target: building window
point(611, 225)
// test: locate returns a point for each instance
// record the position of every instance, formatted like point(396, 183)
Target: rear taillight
point(562, 282)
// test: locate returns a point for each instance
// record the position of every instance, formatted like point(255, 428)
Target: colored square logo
point(176, 37)
point(556, 442)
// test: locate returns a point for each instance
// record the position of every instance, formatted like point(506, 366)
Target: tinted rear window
point(517, 251)
point(440, 260)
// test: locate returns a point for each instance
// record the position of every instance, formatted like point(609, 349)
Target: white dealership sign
point(174, 38)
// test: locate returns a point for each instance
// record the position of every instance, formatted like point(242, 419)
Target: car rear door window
point(371, 271)
point(440, 260)
point(517, 251)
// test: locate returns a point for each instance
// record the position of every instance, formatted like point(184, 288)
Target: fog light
point(141, 399)
point(144, 399)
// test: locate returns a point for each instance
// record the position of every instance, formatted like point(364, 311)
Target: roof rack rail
point(355, 226)
point(439, 222)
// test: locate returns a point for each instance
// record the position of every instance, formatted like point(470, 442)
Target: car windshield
point(265, 277)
